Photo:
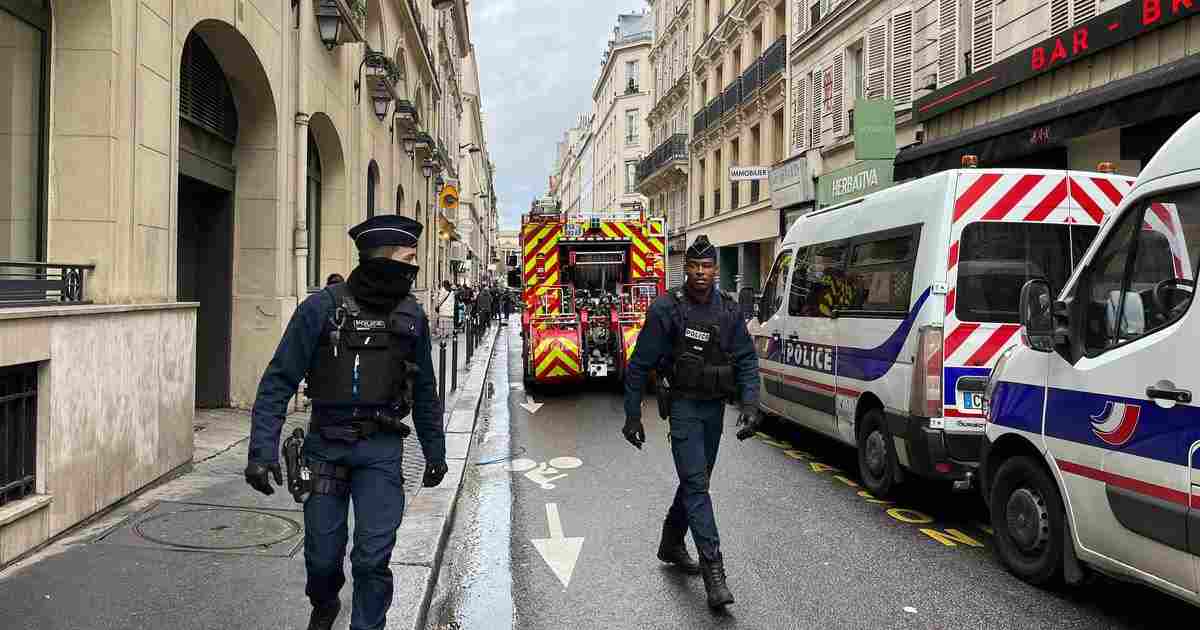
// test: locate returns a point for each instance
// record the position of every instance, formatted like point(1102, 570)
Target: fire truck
point(589, 279)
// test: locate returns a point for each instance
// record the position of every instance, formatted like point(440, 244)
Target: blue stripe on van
point(869, 364)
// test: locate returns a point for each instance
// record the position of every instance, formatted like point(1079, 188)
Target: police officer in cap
point(695, 337)
point(364, 348)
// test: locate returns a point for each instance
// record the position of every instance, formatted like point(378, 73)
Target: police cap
point(384, 230)
point(701, 249)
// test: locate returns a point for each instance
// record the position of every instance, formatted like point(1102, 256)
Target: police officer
point(364, 348)
point(695, 336)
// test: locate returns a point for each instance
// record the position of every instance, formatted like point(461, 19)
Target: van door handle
point(1161, 391)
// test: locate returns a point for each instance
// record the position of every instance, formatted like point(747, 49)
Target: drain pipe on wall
point(300, 235)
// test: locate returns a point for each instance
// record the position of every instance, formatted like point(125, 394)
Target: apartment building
point(620, 100)
point(180, 175)
point(662, 176)
point(738, 98)
point(1051, 83)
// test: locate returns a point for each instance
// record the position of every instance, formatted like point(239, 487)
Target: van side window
point(823, 288)
point(772, 291)
point(880, 272)
point(997, 259)
point(798, 291)
point(1143, 277)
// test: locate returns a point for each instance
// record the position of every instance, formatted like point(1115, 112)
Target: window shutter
point(799, 104)
point(875, 81)
point(799, 9)
point(1060, 16)
point(947, 42)
point(815, 109)
point(902, 57)
point(838, 105)
point(983, 34)
point(1083, 10)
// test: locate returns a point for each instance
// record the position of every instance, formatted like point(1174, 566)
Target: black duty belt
point(355, 430)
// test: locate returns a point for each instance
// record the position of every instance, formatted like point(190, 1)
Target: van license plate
point(972, 401)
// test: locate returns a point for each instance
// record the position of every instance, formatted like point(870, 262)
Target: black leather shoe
point(322, 618)
point(713, 571)
point(673, 550)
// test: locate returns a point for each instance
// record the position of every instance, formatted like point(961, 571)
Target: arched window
point(314, 212)
point(372, 186)
point(400, 200)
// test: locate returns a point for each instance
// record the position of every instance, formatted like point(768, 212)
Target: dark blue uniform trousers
point(377, 489)
point(696, 427)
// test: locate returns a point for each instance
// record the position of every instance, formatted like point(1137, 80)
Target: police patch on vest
point(698, 335)
point(370, 324)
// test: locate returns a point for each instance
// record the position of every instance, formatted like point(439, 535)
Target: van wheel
point(877, 462)
point(1027, 516)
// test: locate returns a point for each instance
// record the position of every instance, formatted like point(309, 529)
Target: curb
point(428, 517)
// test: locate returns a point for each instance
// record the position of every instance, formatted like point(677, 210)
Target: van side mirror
point(1037, 316)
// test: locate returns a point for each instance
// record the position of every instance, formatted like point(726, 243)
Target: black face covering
point(380, 283)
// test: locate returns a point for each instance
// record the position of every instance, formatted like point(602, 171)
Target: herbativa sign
point(854, 181)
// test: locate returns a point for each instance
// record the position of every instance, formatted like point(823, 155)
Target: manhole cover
point(211, 528)
point(217, 529)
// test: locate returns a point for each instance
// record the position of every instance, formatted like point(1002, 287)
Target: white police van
point(874, 304)
point(1092, 454)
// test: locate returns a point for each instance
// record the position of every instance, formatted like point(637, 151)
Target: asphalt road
point(804, 546)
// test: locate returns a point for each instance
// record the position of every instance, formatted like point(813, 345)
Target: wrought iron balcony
point(42, 284)
point(751, 79)
point(673, 148)
point(699, 123)
point(732, 96)
point(775, 59)
point(714, 110)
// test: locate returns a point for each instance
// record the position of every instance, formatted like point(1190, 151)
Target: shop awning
point(1166, 90)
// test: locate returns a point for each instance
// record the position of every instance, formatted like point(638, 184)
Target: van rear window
point(997, 259)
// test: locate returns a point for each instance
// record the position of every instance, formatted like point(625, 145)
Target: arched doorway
point(400, 200)
point(327, 249)
point(208, 131)
point(372, 187)
point(229, 203)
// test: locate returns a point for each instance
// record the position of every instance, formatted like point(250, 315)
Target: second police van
point(876, 308)
point(1092, 456)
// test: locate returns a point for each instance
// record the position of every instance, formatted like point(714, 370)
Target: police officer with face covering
point(364, 348)
point(697, 340)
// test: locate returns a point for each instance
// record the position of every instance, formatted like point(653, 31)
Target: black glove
point(434, 473)
point(634, 432)
point(750, 420)
point(259, 477)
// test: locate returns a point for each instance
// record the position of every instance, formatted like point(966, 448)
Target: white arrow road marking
point(531, 405)
point(558, 552)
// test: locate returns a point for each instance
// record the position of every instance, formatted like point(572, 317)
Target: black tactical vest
point(366, 359)
point(702, 370)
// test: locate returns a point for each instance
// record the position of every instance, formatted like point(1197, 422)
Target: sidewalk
point(205, 551)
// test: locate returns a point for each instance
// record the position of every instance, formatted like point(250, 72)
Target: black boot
point(322, 617)
point(673, 550)
point(713, 570)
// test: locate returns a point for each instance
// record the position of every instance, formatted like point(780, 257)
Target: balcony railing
point(733, 95)
point(755, 186)
point(42, 284)
point(744, 87)
point(751, 79)
point(674, 148)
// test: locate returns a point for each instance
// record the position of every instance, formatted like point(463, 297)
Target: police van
point(1092, 452)
point(877, 307)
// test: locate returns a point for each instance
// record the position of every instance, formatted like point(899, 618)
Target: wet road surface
point(804, 546)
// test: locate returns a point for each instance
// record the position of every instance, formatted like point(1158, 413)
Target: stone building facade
point(201, 162)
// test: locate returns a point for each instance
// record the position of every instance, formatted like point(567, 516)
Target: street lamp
point(329, 23)
point(427, 169)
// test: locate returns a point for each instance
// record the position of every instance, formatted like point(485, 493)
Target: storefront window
point(22, 129)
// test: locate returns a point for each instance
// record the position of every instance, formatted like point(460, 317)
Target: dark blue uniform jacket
point(656, 342)
point(292, 361)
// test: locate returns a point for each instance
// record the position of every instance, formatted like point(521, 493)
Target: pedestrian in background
point(445, 309)
point(360, 395)
point(484, 305)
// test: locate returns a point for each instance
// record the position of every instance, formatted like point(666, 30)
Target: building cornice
point(663, 35)
point(831, 26)
point(671, 100)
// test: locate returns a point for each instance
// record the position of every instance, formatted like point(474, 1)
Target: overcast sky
point(538, 60)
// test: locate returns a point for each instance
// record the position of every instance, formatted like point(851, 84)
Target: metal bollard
point(454, 363)
point(470, 338)
point(442, 375)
